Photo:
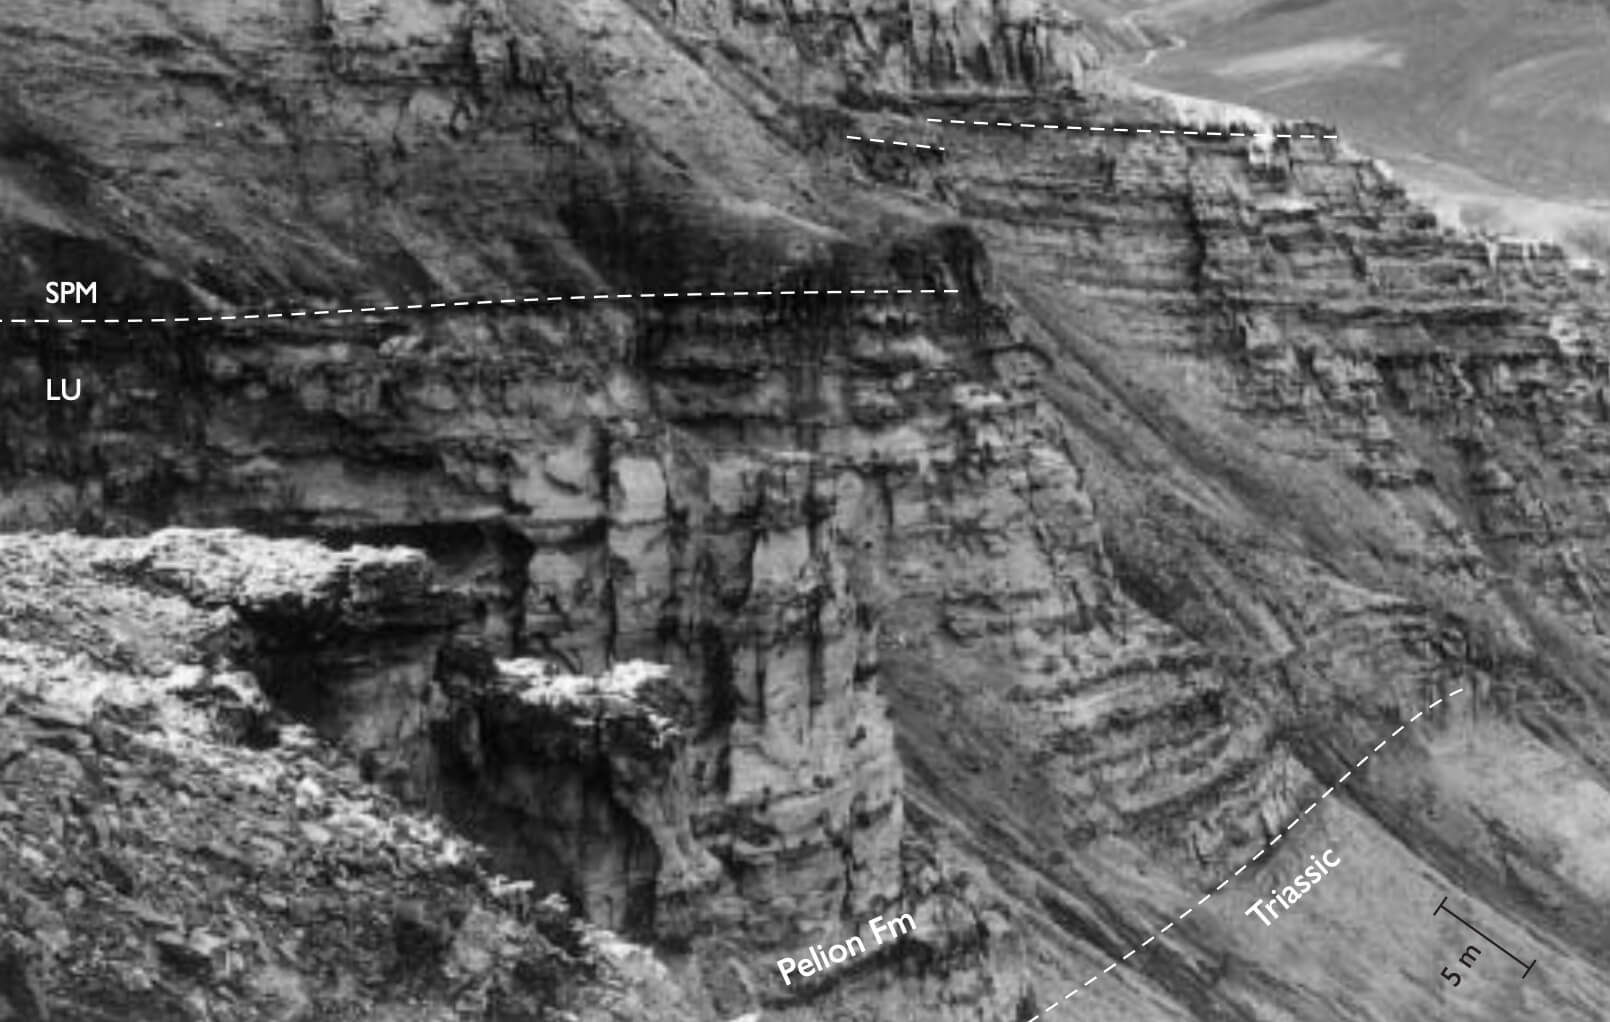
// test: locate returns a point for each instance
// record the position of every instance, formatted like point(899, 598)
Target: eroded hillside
point(1494, 114)
point(1032, 609)
point(171, 847)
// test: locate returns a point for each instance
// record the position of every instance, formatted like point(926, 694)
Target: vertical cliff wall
point(1029, 609)
point(175, 846)
point(890, 47)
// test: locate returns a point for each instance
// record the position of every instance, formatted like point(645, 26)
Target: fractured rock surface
point(1032, 611)
point(151, 867)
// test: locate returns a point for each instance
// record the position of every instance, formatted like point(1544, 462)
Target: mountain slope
point(172, 848)
point(1033, 610)
point(1499, 111)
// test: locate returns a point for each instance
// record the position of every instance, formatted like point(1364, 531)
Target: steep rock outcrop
point(154, 868)
point(1314, 423)
point(1223, 458)
point(528, 448)
point(347, 641)
point(888, 47)
point(585, 781)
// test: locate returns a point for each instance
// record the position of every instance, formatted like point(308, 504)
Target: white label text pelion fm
point(819, 958)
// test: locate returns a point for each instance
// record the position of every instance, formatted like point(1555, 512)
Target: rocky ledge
point(346, 640)
point(586, 780)
point(173, 846)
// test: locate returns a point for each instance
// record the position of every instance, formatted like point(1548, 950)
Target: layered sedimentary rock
point(1030, 610)
point(586, 780)
point(1300, 401)
point(889, 47)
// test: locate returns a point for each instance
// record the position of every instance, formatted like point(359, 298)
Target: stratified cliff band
point(1028, 610)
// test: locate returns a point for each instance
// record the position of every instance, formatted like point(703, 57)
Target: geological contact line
point(1123, 130)
point(463, 303)
point(895, 142)
point(1115, 129)
point(1071, 994)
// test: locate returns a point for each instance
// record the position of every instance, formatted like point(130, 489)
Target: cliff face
point(1350, 453)
point(173, 848)
point(1028, 610)
point(888, 47)
point(346, 641)
point(585, 779)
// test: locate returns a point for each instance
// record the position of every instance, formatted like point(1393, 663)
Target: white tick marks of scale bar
point(1131, 131)
point(1071, 994)
point(473, 302)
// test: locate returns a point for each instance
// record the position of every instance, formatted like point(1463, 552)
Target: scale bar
point(1442, 906)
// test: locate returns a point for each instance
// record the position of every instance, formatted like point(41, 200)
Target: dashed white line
point(895, 142)
point(456, 304)
point(1122, 129)
point(1238, 871)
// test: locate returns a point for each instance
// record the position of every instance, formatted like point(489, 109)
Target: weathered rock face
point(153, 868)
point(594, 493)
point(889, 47)
point(1300, 408)
point(586, 782)
point(347, 641)
point(1030, 610)
point(590, 528)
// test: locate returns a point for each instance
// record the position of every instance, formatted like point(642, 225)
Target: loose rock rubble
point(151, 869)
